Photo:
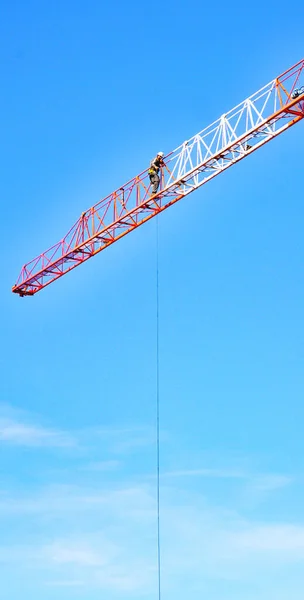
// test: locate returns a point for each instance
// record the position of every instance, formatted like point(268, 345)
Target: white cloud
point(258, 488)
point(271, 482)
point(80, 556)
point(22, 434)
point(105, 537)
point(65, 583)
point(19, 428)
point(284, 539)
point(124, 440)
point(102, 465)
point(199, 542)
point(70, 500)
point(264, 483)
point(212, 473)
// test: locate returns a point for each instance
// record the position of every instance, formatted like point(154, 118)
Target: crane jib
point(257, 120)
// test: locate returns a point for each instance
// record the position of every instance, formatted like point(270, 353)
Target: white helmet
point(160, 154)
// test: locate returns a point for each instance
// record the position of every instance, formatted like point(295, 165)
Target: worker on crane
point(297, 92)
point(155, 165)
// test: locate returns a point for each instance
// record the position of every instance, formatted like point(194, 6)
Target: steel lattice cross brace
point(238, 133)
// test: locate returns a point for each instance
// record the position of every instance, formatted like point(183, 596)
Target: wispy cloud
point(199, 541)
point(21, 428)
point(277, 539)
point(82, 555)
point(124, 440)
point(22, 434)
point(65, 583)
point(272, 481)
point(212, 473)
point(72, 500)
point(102, 465)
point(101, 534)
point(259, 487)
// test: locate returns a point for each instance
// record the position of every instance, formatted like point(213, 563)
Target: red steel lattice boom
point(244, 129)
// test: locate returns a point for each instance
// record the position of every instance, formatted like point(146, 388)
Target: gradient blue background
point(90, 92)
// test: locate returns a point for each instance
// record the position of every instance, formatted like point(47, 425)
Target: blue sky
point(90, 93)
